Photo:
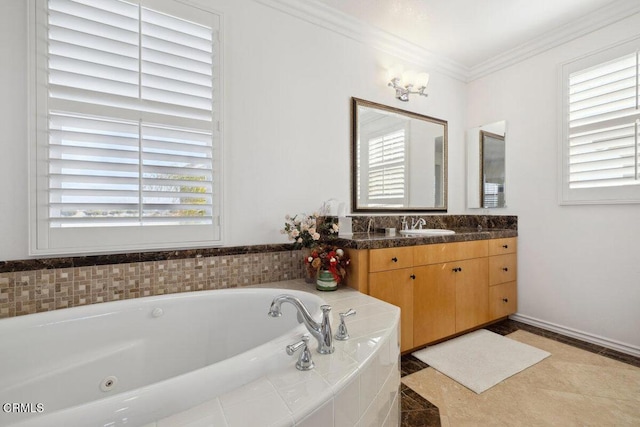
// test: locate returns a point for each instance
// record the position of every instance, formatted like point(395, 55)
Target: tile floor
point(581, 384)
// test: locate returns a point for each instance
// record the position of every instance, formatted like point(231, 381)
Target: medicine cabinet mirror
point(486, 177)
point(398, 160)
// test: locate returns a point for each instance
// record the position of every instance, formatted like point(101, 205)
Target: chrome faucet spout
point(418, 224)
point(320, 331)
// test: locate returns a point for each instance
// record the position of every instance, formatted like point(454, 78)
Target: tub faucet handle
point(304, 362)
point(343, 334)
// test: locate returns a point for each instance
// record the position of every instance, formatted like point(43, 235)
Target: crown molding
point(326, 17)
point(595, 20)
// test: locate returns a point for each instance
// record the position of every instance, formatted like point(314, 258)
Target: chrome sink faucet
point(418, 224)
point(320, 331)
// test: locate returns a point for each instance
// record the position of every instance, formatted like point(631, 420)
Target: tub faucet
point(320, 331)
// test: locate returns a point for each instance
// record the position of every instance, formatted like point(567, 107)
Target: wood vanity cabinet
point(442, 289)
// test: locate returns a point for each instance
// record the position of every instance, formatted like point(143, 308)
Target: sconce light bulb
point(422, 80)
point(408, 78)
point(395, 72)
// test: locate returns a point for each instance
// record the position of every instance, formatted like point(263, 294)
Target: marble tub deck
point(609, 390)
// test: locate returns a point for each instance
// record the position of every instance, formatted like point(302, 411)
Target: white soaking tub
point(136, 361)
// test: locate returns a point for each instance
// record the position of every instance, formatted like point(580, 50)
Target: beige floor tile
point(562, 351)
point(614, 383)
point(550, 407)
point(444, 421)
point(572, 387)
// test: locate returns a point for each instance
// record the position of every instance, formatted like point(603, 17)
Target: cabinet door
point(434, 303)
point(472, 292)
point(396, 287)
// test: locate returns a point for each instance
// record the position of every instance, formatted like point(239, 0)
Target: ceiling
point(469, 32)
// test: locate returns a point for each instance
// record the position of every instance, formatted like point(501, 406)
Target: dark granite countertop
point(380, 240)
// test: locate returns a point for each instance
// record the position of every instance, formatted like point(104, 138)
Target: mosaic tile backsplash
point(34, 291)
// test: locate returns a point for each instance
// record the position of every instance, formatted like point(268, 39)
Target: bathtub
point(135, 361)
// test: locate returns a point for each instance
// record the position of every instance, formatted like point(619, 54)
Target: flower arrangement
point(306, 230)
point(328, 257)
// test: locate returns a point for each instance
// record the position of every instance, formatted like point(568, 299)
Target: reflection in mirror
point(399, 160)
point(486, 166)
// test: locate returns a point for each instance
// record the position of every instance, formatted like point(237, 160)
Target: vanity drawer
point(502, 300)
point(390, 258)
point(502, 268)
point(507, 245)
point(446, 252)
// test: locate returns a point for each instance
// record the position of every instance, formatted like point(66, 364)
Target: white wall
point(578, 266)
point(287, 85)
point(13, 130)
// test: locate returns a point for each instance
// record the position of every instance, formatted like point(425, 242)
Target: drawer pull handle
point(455, 270)
point(413, 277)
point(394, 259)
point(505, 246)
point(505, 299)
point(505, 269)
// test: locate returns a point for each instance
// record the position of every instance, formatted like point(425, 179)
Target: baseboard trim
point(590, 338)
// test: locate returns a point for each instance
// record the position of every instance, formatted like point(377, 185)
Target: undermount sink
point(427, 232)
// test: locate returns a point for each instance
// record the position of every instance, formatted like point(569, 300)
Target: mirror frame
point(355, 103)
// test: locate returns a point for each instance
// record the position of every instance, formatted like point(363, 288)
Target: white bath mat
point(480, 359)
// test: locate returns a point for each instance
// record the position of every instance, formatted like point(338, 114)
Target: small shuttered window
point(601, 154)
point(386, 172)
point(128, 128)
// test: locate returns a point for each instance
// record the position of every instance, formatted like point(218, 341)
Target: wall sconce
point(404, 83)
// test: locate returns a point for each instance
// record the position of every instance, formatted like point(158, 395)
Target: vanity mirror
point(486, 166)
point(398, 160)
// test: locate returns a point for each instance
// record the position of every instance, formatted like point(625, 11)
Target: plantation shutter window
point(386, 167)
point(601, 161)
point(127, 100)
